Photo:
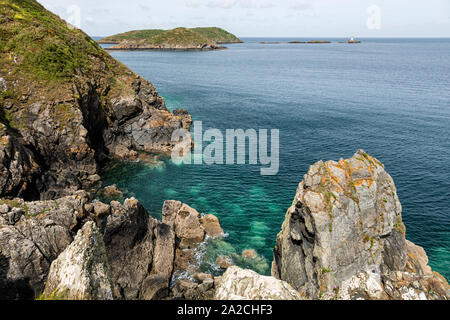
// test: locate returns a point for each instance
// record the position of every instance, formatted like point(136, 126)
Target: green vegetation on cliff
point(181, 36)
point(35, 41)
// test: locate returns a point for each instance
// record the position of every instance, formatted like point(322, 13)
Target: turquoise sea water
point(390, 97)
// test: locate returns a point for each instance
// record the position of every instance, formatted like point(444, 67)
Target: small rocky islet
point(351, 41)
point(67, 108)
point(178, 39)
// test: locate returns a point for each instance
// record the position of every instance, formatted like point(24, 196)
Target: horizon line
point(335, 37)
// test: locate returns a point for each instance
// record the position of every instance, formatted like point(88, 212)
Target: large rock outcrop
point(343, 237)
point(66, 106)
point(240, 284)
point(81, 271)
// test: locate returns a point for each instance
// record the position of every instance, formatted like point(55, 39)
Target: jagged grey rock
point(81, 271)
point(240, 284)
point(186, 289)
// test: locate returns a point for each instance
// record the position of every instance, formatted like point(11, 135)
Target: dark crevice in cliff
point(94, 120)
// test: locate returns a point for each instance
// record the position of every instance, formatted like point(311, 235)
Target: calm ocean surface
point(390, 97)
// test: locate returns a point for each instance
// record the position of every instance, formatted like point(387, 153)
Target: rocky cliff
point(66, 106)
point(343, 237)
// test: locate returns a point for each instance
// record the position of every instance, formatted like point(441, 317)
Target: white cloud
point(326, 18)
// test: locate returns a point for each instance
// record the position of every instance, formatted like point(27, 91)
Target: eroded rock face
point(81, 271)
point(32, 235)
point(240, 284)
point(343, 236)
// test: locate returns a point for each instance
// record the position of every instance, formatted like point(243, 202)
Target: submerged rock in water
point(240, 284)
point(81, 271)
point(343, 236)
point(249, 254)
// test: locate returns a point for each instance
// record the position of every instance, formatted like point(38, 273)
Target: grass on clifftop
point(35, 41)
point(39, 43)
point(157, 36)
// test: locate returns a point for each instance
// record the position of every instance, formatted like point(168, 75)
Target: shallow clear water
point(390, 97)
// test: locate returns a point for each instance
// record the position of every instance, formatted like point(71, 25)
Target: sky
point(263, 18)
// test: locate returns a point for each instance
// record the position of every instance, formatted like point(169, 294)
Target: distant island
point(352, 40)
point(183, 39)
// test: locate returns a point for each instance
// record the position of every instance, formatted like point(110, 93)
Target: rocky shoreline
point(343, 238)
